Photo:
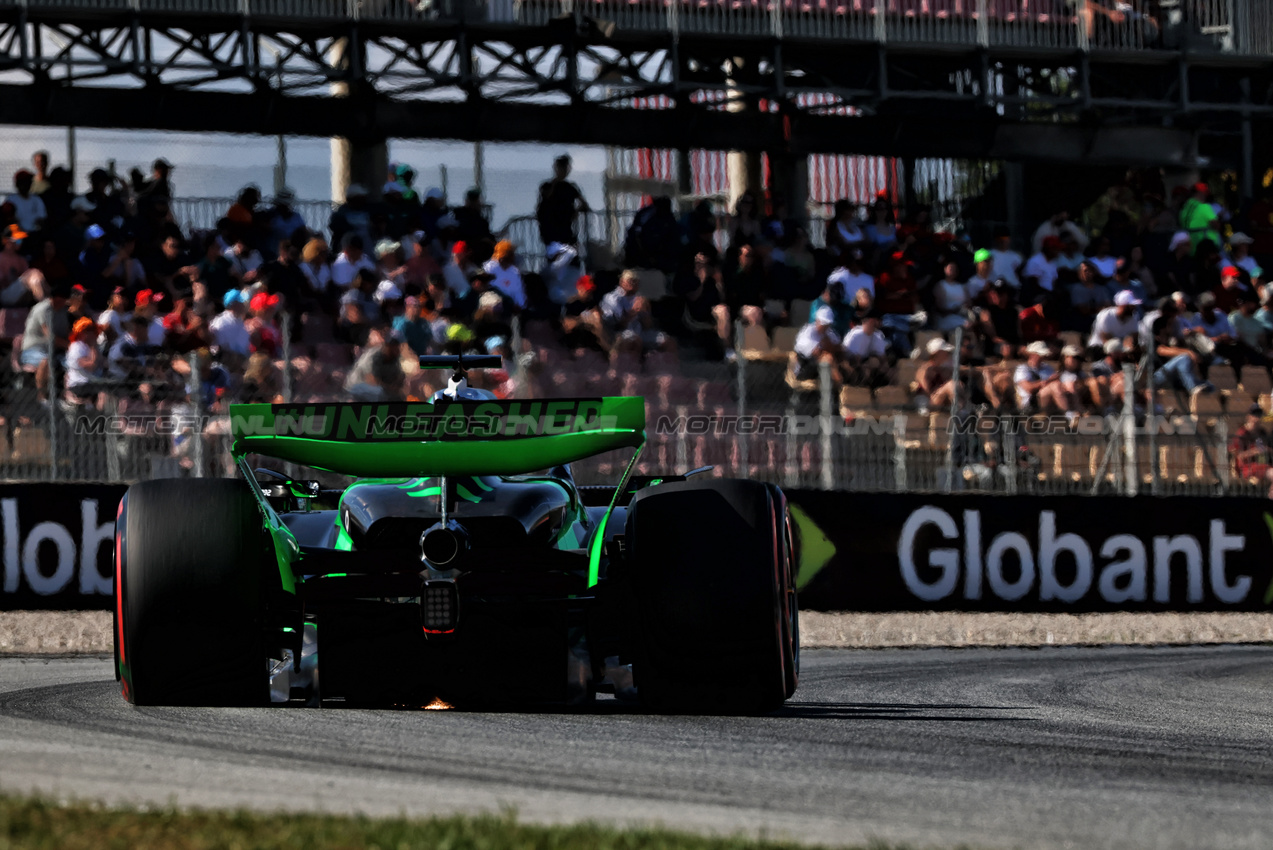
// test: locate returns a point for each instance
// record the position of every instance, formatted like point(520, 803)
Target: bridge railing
point(1236, 26)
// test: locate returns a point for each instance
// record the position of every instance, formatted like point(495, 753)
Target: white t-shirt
point(77, 375)
point(230, 334)
point(951, 297)
point(1105, 265)
point(975, 286)
point(1005, 265)
point(29, 211)
point(244, 263)
point(508, 281)
point(318, 278)
point(1108, 326)
point(809, 337)
point(1042, 269)
point(1024, 373)
point(344, 271)
point(852, 283)
point(456, 280)
point(156, 331)
point(861, 344)
point(114, 320)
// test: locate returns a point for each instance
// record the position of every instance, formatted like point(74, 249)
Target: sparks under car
point(463, 564)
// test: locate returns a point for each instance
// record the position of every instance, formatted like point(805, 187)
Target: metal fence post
point(899, 451)
point(287, 356)
point(682, 450)
point(515, 342)
point(55, 381)
point(792, 471)
point(1222, 452)
point(1129, 428)
point(824, 423)
point(954, 411)
point(194, 398)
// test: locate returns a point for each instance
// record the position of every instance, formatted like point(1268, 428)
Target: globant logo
point(1121, 568)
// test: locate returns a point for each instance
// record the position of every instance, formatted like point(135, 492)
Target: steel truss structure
point(573, 78)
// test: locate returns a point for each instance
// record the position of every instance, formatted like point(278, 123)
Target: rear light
point(440, 606)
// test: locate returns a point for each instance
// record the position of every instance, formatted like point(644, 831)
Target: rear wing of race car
point(508, 437)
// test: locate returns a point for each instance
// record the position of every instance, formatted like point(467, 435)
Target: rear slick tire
point(712, 624)
point(188, 631)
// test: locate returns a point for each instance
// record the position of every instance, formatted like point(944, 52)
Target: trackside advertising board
point(56, 544)
point(858, 551)
point(899, 552)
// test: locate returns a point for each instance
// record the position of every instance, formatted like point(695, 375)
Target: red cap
point(145, 297)
point(78, 288)
point(586, 283)
point(1229, 271)
point(459, 247)
point(1052, 242)
point(262, 301)
point(899, 256)
point(1201, 187)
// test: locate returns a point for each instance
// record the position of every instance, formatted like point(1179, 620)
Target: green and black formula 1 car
point(462, 564)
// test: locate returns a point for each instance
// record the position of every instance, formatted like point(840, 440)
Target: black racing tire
point(707, 574)
point(189, 559)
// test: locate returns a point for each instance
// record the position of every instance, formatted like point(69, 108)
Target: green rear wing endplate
point(447, 438)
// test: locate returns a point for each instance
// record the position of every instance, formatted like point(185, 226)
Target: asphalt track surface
point(1060, 747)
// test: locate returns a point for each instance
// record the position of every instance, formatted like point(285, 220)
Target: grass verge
point(42, 824)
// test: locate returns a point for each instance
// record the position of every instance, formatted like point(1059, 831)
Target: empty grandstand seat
point(785, 339)
point(799, 312)
point(756, 345)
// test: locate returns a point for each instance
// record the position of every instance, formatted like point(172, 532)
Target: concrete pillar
point(354, 162)
point(741, 167)
point(1018, 216)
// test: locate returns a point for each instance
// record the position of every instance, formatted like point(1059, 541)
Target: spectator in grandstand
point(1105, 262)
point(261, 380)
point(16, 281)
point(82, 362)
point(230, 335)
point(1107, 376)
point(505, 276)
point(1127, 278)
point(352, 323)
point(982, 277)
point(817, 343)
point(654, 238)
point(844, 311)
point(147, 305)
point(747, 285)
point(844, 231)
point(562, 270)
point(1032, 377)
point(245, 261)
point(1115, 322)
point(881, 228)
point(1251, 339)
point(1176, 364)
point(40, 182)
point(1231, 289)
point(281, 221)
point(1038, 278)
point(184, 330)
point(107, 194)
point(263, 334)
point(377, 375)
point(1041, 322)
point(69, 236)
point(705, 317)
point(352, 217)
point(457, 268)
point(1260, 226)
point(852, 276)
point(170, 262)
point(158, 187)
point(746, 227)
point(933, 385)
point(472, 226)
point(213, 271)
point(1059, 226)
point(1240, 256)
point(434, 217)
point(47, 325)
point(1070, 258)
point(1199, 219)
point(897, 291)
point(112, 319)
point(581, 319)
point(559, 206)
point(951, 301)
point(46, 261)
point(128, 357)
point(390, 262)
point(414, 328)
point(1250, 449)
point(999, 321)
point(1075, 391)
point(1006, 263)
point(625, 316)
point(350, 261)
point(1214, 325)
point(28, 209)
point(1265, 314)
point(1181, 271)
point(866, 362)
point(1088, 297)
point(316, 266)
